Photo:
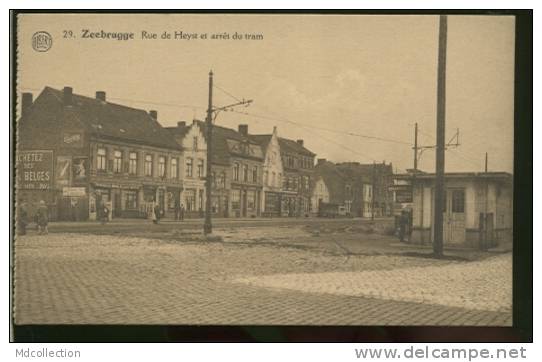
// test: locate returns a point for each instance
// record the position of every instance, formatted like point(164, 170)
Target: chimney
point(68, 96)
point(300, 142)
point(153, 114)
point(181, 124)
point(26, 102)
point(243, 129)
point(274, 130)
point(321, 161)
point(100, 95)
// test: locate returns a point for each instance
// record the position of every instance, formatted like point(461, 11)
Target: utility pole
point(441, 134)
point(415, 147)
point(373, 192)
point(212, 113)
point(486, 202)
point(207, 226)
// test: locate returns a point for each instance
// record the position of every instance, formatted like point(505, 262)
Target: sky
point(329, 80)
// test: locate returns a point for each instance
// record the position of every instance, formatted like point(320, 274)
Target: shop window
point(132, 164)
point(161, 166)
point(251, 200)
point(189, 166)
point(235, 199)
point(458, 201)
point(101, 159)
point(131, 200)
point(148, 165)
point(190, 198)
point(174, 169)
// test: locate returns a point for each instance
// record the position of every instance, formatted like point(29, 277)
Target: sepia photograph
point(264, 169)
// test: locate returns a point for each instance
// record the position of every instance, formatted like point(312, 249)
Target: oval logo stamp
point(42, 41)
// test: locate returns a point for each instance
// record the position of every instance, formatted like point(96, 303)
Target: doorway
point(454, 216)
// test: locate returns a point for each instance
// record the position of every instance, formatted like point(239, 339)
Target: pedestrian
point(177, 210)
point(403, 225)
point(22, 220)
point(105, 214)
point(157, 213)
point(42, 218)
point(182, 212)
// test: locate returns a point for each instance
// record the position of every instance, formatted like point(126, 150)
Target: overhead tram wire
point(306, 126)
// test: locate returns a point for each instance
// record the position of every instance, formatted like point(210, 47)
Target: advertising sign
point(403, 196)
point(63, 171)
point(79, 169)
point(34, 170)
point(72, 139)
point(74, 191)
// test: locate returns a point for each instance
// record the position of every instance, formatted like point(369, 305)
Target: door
point(116, 204)
point(244, 203)
point(454, 216)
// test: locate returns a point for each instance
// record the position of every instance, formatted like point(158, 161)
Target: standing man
point(22, 220)
point(42, 218)
point(157, 213)
point(182, 212)
point(177, 210)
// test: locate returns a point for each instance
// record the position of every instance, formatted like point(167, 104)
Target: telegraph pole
point(373, 193)
point(212, 113)
point(441, 124)
point(207, 226)
point(415, 147)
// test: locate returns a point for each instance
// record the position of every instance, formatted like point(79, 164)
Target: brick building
point(298, 164)
point(94, 152)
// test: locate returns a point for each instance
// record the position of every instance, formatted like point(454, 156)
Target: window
point(273, 179)
point(201, 172)
point(348, 191)
point(132, 164)
point(101, 159)
point(190, 198)
point(148, 165)
point(174, 169)
point(255, 174)
point(251, 200)
point(236, 171)
point(266, 178)
point(235, 199)
point(279, 180)
point(131, 200)
point(458, 201)
point(245, 173)
point(117, 161)
point(161, 166)
point(189, 165)
point(195, 143)
point(307, 182)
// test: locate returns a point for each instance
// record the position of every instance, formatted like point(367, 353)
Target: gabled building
point(193, 169)
point(237, 164)
point(272, 173)
point(78, 153)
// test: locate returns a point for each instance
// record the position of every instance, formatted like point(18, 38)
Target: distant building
point(298, 165)
point(478, 208)
point(193, 169)
point(79, 153)
point(320, 193)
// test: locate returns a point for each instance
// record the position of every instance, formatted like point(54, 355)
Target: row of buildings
point(78, 153)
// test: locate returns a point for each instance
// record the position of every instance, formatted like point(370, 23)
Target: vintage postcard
point(264, 169)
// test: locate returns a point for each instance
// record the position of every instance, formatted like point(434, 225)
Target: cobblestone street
point(255, 276)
